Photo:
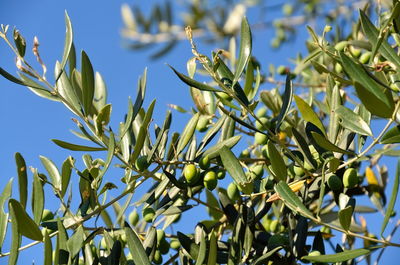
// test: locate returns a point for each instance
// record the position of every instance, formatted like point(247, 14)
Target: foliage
point(315, 152)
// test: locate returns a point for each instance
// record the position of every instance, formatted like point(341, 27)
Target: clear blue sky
point(29, 122)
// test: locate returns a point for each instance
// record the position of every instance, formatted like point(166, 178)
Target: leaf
point(358, 74)
point(339, 257)
point(193, 83)
point(372, 103)
point(211, 200)
point(232, 165)
point(22, 179)
point(75, 241)
point(53, 172)
point(37, 198)
point(5, 195)
point(291, 200)
point(286, 102)
point(265, 257)
point(352, 121)
point(277, 163)
point(334, 126)
point(110, 155)
point(135, 246)
point(392, 136)
point(103, 118)
point(393, 197)
point(15, 237)
point(374, 37)
point(26, 226)
point(187, 133)
point(249, 90)
point(245, 49)
point(66, 171)
point(211, 134)
point(188, 244)
point(87, 83)
point(212, 252)
point(68, 40)
point(213, 151)
point(324, 143)
point(202, 249)
point(48, 249)
point(345, 216)
point(38, 89)
point(308, 114)
point(66, 90)
point(76, 147)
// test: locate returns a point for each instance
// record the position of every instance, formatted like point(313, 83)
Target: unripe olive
point(287, 9)
point(148, 214)
point(264, 125)
point(355, 52)
point(314, 253)
point(233, 192)
point(260, 138)
point(47, 215)
point(191, 174)
point(141, 163)
point(175, 244)
point(275, 43)
point(350, 179)
point(299, 171)
point(160, 235)
point(365, 57)
point(202, 124)
point(264, 151)
point(210, 180)
point(334, 182)
point(103, 243)
point(340, 45)
point(338, 68)
point(221, 174)
point(281, 70)
point(204, 162)
point(267, 224)
point(157, 259)
point(244, 154)
point(246, 188)
point(261, 112)
point(224, 96)
point(257, 170)
point(273, 227)
point(133, 218)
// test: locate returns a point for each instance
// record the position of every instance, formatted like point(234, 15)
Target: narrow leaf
point(187, 133)
point(393, 197)
point(87, 83)
point(339, 257)
point(324, 143)
point(48, 249)
point(26, 226)
point(286, 102)
point(392, 136)
point(135, 246)
point(53, 172)
point(193, 83)
point(213, 151)
point(352, 121)
point(277, 163)
point(68, 40)
point(76, 147)
point(37, 198)
point(245, 49)
point(232, 165)
point(22, 179)
point(5, 195)
point(308, 114)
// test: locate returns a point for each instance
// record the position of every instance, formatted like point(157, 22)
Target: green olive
point(281, 70)
point(263, 124)
point(314, 253)
point(364, 58)
point(298, 171)
point(202, 124)
point(273, 227)
point(204, 162)
point(221, 174)
point(133, 218)
point(341, 45)
point(261, 112)
point(141, 163)
point(224, 96)
point(175, 244)
point(350, 178)
point(148, 214)
point(160, 235)
point(260, 138)
point(210, 180)
point(334, 182)
point(157, 259)
point(244, 154)
point(233, 192)
point(338, 68)
point(257, 170)
point(47, 215)
point(191, 174)
point(287, 9)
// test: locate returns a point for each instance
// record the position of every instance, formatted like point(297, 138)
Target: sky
point(29, 122)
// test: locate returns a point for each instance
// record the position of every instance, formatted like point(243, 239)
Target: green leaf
point(5, 195)
point(286, 102)
point(74, 243)
point(372, 103)
point(232, 165)
point(66, 90)
point(345, 216)
point(249, 90)
point(53, 172)
point(100, 92)
point(202, 250)
point(37, 198)
point(358, 74)
point(339, 257)
point(68, 40)
point(110, 155)
point(87, 83)
point(334, 127)
point(66, 171)
point(308, 114)
point(15, 237)
point(211, 134)
point(77, 147)
point(22, 179)
point(48, 249)
point(139, 143)
point(302, 144)
point(324, 143)
point(291, 200)
point(212, 251)
point(232, 115)
point(103, 118)
point(392, 202)
point(211, 200)
point(392, 136)
point(187, 133)
point(135, 246)
point(265, 257)
point(10, 77)
point(193, 83)
point(188, 244)
point(245, 49)
point(277, 163)
point(374, 37)
point(26, 226)
point(352, 121)
point(38, 89)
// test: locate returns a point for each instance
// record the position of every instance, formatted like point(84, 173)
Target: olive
point(148, 214)
point(191, 174)
point(141, 163)
point(350, 178)
point(133, 218)
point(210, 180)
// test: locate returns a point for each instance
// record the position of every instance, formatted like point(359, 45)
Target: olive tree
point(313, 151)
